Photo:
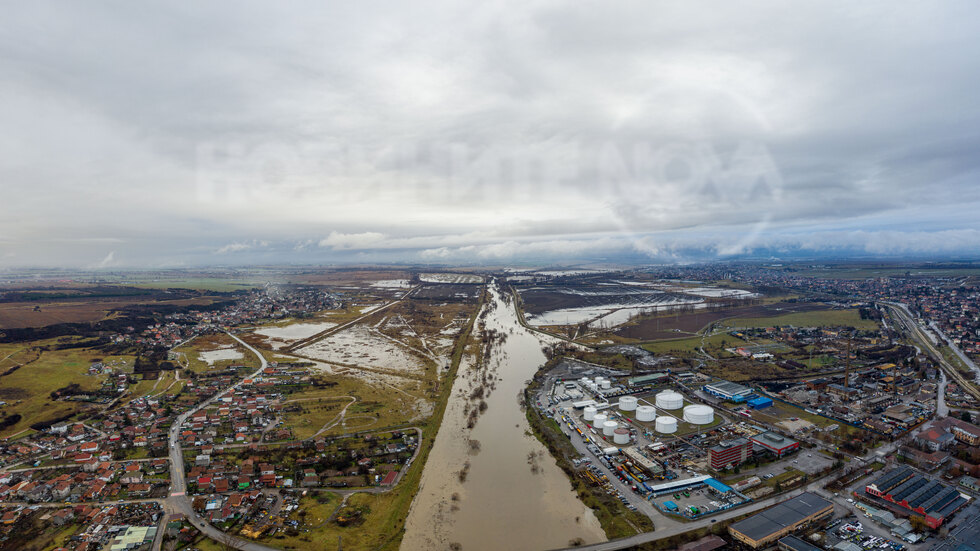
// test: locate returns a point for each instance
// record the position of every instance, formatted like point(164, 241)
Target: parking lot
point(854, 530)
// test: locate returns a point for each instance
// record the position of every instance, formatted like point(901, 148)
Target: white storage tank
point(589, 413)
point(621, 436)
point(669, 399)
point(598, 419)
point(609, 427)
point(627, 403)
point(646, 413)
point(699, 414)
point(606, 384)
point(666, 425)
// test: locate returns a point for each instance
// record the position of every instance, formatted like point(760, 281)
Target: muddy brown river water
point(514, 496)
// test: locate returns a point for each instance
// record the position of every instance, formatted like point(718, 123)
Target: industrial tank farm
point(627, 403)
point(666, 425)
point(645, 413)
point(669, 399)
point(699, 415)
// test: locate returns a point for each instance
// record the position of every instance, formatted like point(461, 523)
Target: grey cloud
point(194, 131)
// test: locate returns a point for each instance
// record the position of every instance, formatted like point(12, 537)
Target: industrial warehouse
point(913, 492)
point(763, 529)
point(727, 390)
point(646, 433)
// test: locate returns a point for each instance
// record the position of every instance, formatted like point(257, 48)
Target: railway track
point(904, 317)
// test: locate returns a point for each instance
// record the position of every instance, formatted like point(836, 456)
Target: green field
point(817, 318)
point(199, 284)
point(27, 390)
point(712, 344)
point(189, 353)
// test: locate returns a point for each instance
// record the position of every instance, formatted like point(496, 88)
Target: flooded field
point(451, 278)
point(288, 334)
point(361, 345)
point(488, 484)
point(392, 284)
point(211, 356)
point(609, 314)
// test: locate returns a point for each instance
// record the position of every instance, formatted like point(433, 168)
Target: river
point(514, 495)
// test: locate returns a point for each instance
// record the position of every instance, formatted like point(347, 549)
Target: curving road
point(178, 500)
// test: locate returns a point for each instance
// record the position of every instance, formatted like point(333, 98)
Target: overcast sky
point(184, 134)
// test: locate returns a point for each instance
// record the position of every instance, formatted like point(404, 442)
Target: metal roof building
point(775, 443)
point(907, 488)
point(718, 486)
point(650, 379)
point(764, 528)
point(793, 543)
point(727, 390)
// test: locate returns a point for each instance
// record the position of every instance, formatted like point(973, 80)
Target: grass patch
point(713, 344)
point(27, 390)
point(817, 318)
point(200, 284)
point(189, 353)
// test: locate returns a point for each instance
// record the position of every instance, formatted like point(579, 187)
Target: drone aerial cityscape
point(489, 276)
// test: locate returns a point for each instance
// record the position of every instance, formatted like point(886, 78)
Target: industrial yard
point(651, 442)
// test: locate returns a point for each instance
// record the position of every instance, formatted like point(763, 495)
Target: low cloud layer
point(230, 133)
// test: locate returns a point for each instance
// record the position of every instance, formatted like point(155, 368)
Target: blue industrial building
point(760, 403)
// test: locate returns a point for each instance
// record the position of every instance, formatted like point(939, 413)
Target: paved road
point(647, 537)
point(906, 318)
point(178, 500)
point(956, 349)
point(673, 528)
point(942, 410)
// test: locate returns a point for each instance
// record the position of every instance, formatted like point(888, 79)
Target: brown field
point(17, 315)
point(671, 326)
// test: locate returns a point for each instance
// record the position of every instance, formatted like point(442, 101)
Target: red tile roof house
point(61, 490)
point(221, 485)
point(139, 490)
point(935, 439)
point(62, 516)
point(134, 477)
